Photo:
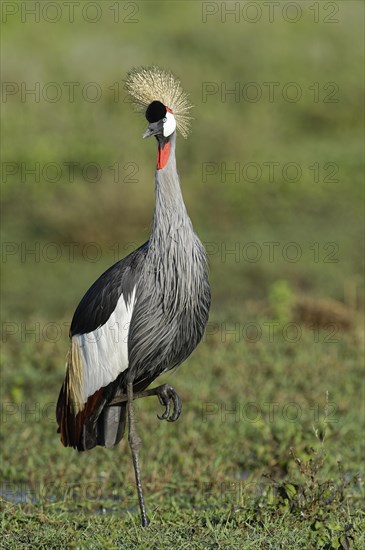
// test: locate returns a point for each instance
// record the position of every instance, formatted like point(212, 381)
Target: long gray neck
point(170, 212)
point(175, 263)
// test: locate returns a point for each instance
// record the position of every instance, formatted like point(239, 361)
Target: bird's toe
point(177, 405)
point(165, 401)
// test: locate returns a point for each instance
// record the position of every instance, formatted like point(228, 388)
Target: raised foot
point(167, 396)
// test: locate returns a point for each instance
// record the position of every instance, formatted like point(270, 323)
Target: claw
point(177, 407)
point(166, 395)
point(165, 401)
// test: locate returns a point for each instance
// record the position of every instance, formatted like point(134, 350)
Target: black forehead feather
point(155, 111)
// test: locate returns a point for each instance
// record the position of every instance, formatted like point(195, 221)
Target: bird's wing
point(99, 342)
point(101, 300)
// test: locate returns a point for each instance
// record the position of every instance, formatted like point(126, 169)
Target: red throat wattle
point(163, 154)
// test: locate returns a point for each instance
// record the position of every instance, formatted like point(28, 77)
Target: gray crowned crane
point(146, 314)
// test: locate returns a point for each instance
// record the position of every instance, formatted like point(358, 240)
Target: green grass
point(267, 452)
point(282, 469)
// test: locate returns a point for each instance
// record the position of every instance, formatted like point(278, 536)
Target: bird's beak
point(153, 129)
point(148, 133)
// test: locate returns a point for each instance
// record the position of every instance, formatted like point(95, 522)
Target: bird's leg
point(165, 394)
point(135, 443)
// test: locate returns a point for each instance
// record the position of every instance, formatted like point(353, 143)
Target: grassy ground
point(267, 453)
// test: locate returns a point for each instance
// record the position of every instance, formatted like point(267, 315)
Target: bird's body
point(142, 317)
point(147, 313)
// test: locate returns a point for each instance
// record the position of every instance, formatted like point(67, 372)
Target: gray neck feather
point(170, 212)
point(175, 259)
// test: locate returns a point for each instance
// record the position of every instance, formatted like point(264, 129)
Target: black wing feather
point(101, 299)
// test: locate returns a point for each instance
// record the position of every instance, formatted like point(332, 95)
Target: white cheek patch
point(170, 125)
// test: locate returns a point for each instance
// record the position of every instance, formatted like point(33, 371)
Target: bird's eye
point(164, 120)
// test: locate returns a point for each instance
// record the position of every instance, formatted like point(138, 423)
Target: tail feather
point(95, 424)
point(111, 425)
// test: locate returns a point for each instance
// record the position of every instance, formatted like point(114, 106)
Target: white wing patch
point(104, 351)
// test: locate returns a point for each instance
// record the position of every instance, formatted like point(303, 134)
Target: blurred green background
point(106, 132)
point(79, 211)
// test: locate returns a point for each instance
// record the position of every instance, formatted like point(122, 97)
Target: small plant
point(281, 300)
point(323, 502)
